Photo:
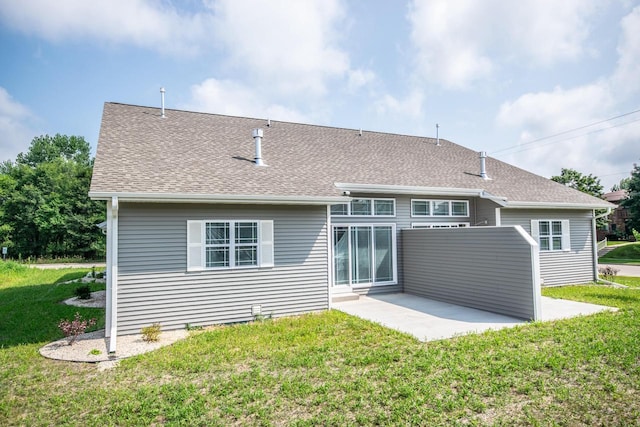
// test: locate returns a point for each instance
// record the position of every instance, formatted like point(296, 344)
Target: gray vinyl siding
point(154, 285)
point(485, 211)
point(560, 268)
point(488, 268)
point(402, 220)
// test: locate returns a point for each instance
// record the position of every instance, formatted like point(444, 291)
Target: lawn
point(625, 254)
point(633, 282)
point(328, 369)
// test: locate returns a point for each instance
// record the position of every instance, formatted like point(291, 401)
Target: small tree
point(72, 328)
point(632, 203)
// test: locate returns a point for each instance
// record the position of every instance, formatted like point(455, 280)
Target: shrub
point(83, 292)
point(72, 328)
point(608, 273)
point(151, 333)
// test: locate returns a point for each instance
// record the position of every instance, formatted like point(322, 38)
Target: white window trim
point(431, 215)
point(196, 249)
point(394, 253)
point(373, 215)
point(566, 234)
point(441, 224)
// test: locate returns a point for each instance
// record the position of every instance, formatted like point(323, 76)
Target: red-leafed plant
point(72, 328)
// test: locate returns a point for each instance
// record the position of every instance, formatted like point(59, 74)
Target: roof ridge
point(283, 121)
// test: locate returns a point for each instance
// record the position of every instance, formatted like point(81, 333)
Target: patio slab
point(429, 320)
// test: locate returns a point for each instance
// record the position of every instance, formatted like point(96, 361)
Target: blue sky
point(496, 75)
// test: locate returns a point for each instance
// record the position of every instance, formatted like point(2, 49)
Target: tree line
point(45, 210)
point(591, 185)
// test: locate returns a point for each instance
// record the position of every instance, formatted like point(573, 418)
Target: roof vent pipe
point(257, 137)
point(268, 123)
point(162, 101)
point(483, 166)
point(437, 135)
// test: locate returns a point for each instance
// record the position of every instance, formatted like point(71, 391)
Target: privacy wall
point(489, 268)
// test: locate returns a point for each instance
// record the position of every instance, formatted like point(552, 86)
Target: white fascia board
point(417, 190)
point(556, 205)
point(217, 198)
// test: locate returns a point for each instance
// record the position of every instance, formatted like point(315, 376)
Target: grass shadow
point(30, 314)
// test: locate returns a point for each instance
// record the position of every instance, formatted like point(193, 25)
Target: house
point(216, 219)
point(616, 226)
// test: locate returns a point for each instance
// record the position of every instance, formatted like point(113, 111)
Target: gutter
point(556, 205)
point(416, 190)
point(215, 198)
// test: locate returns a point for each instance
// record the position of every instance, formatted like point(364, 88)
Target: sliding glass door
point(363, 254)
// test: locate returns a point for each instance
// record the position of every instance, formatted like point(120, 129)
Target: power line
point(569, 131)
point(570, 138)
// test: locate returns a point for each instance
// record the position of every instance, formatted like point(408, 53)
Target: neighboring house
point(215, 219)
point(617, 220)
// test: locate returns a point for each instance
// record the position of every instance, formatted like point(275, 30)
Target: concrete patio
point(429, 320)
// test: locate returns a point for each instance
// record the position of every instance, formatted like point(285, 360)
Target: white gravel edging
point(128, 346)
point(97, 300)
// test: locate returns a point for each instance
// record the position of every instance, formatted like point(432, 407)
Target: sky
point(541, 84)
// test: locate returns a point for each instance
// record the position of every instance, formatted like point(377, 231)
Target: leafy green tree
point(44, 205)
point(633, 202)
point(586, 183)
point(622, 185)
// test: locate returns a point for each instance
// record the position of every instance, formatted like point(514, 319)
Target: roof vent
point(360, 132)
point(437, 135)
point(162, 101)
point(268, 123)
point(483, 166)
point(257, 137)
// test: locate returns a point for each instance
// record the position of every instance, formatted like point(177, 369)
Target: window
point(364, 254)
point(365, 207)
point(229, 244)
point(551, 235)
point(439, 224)
point(439, 207)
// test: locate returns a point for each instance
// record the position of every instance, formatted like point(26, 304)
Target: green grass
point(625, 254)
point(30, 303)
point(334, 369)
point(633, 282)
point(616, 242)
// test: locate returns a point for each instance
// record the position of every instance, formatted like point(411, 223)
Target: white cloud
point(14, 127)
point(232, 98)
point(359, 78)
point(292, 46)
point(603, 150)
point(458, 43)
point(409, 106)
point(546, 113)
point(625, 79)
point(145, 23)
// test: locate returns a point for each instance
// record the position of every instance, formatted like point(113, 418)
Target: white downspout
point(111, 327)
point(329, 256)
point(595, 240)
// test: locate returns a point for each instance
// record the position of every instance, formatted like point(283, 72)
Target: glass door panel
point(341, 255)
point(361, 266)
point(383, 254)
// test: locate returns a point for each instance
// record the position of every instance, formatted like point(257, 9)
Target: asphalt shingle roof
point(208, 154)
